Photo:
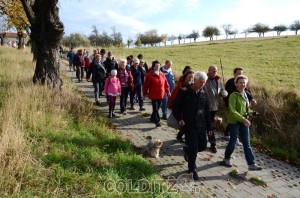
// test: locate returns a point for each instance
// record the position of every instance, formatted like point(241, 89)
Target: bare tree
point(227, 29)
point(295, 26)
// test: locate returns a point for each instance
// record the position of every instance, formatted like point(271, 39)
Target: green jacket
point(237, 108)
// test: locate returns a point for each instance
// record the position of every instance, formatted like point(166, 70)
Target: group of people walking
point(194, 100)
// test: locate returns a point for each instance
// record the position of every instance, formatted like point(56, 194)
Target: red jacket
point(87, 62)
point(155, 86)
point(174, 94)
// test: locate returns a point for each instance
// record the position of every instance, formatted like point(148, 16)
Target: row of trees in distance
point(152, 38)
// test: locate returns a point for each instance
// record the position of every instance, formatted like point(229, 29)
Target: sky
point(173, 17)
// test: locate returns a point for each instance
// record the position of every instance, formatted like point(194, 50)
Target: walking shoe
point(227, 162)
point(164, 118)
point(180, 139)
point(158, 124)
point(142, 109)
point(97, 103)
point(226, 138)
point(254, 167)
point(238, 143)
point(185, 155)
point(113, 114)
point(124, 112)
point(132, 108)
point(195, 175)
point(213, 148)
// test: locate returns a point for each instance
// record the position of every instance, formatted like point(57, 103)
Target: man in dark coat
point(191, 109)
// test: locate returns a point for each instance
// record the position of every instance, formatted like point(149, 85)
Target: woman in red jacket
point(155, 86)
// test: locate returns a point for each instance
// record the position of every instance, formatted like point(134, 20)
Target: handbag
point(172, 122)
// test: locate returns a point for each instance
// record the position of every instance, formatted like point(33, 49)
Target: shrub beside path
point(283, 180)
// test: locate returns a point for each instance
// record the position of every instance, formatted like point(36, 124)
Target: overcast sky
point(173, 16)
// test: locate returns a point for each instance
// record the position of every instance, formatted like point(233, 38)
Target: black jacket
point(98, 72)
point(109, 65)
point(192, 108)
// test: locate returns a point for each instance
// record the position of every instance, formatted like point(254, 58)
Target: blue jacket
point(169, 76)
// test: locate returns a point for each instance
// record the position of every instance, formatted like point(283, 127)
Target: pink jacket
point(112, 86)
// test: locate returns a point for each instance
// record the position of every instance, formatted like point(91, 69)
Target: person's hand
point(247, 122)
point(210, 133)
point(181, 123)
point(253, 102)
point(169, 95)
point(224, 94)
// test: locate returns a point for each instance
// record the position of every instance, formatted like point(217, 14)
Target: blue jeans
point(245, 138)
point(97, 85)
point(164, 106)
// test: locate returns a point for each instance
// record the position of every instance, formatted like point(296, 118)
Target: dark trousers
point(137, 91)
point(79, 72)
point(156, 104)
point(112, 102)
point(212, 137)
point(123, 98)
point(195, 140)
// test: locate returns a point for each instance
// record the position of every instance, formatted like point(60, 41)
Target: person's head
point(110, 55)
point(241, 82)
point(72, 48)
point(95, 51)
point(168, 64)
point(97, 57)
point(199, 80)
point(188, 77)
point(140, 56)
point(113, 72)
point(87, 53)
point(155, 65)
point(129, 59)
point(136, 62)
point(79, 51)
point(102, 51)
point(237, 71)
point(212, 71)
point(186, 68)
point(122, 63)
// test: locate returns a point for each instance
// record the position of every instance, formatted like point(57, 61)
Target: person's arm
point(178, 106)
point(146, 85)
point(232, 108)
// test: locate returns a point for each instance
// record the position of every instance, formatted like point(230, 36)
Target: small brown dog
point(153, 147)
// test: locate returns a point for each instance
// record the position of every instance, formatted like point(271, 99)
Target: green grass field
point(272, 63)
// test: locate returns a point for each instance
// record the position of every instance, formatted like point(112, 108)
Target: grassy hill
point(272, 63)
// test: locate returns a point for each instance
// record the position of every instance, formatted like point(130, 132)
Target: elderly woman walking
point(238, 122)
point(155, 87)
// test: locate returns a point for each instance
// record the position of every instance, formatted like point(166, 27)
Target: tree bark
point(1, 39)
point(46, 34)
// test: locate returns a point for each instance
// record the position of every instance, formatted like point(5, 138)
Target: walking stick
point(222, 72)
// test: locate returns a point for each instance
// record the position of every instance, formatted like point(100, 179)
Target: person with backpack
point(79, 64)
point(98, 77)
point(112, 88)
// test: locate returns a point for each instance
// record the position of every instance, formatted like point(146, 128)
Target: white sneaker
point(227, 162)
point(238, 143)
point(124, 112)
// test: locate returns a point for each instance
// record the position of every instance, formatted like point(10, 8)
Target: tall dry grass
point(27, 107)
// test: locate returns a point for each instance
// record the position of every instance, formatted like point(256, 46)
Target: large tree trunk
point(46, 34)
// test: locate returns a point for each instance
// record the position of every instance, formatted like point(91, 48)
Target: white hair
point(113, 72)
point(200, 75)
point(136, 60)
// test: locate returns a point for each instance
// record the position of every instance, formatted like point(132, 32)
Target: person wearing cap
point(138, 80)
point(110, 63)
point(156, 86)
